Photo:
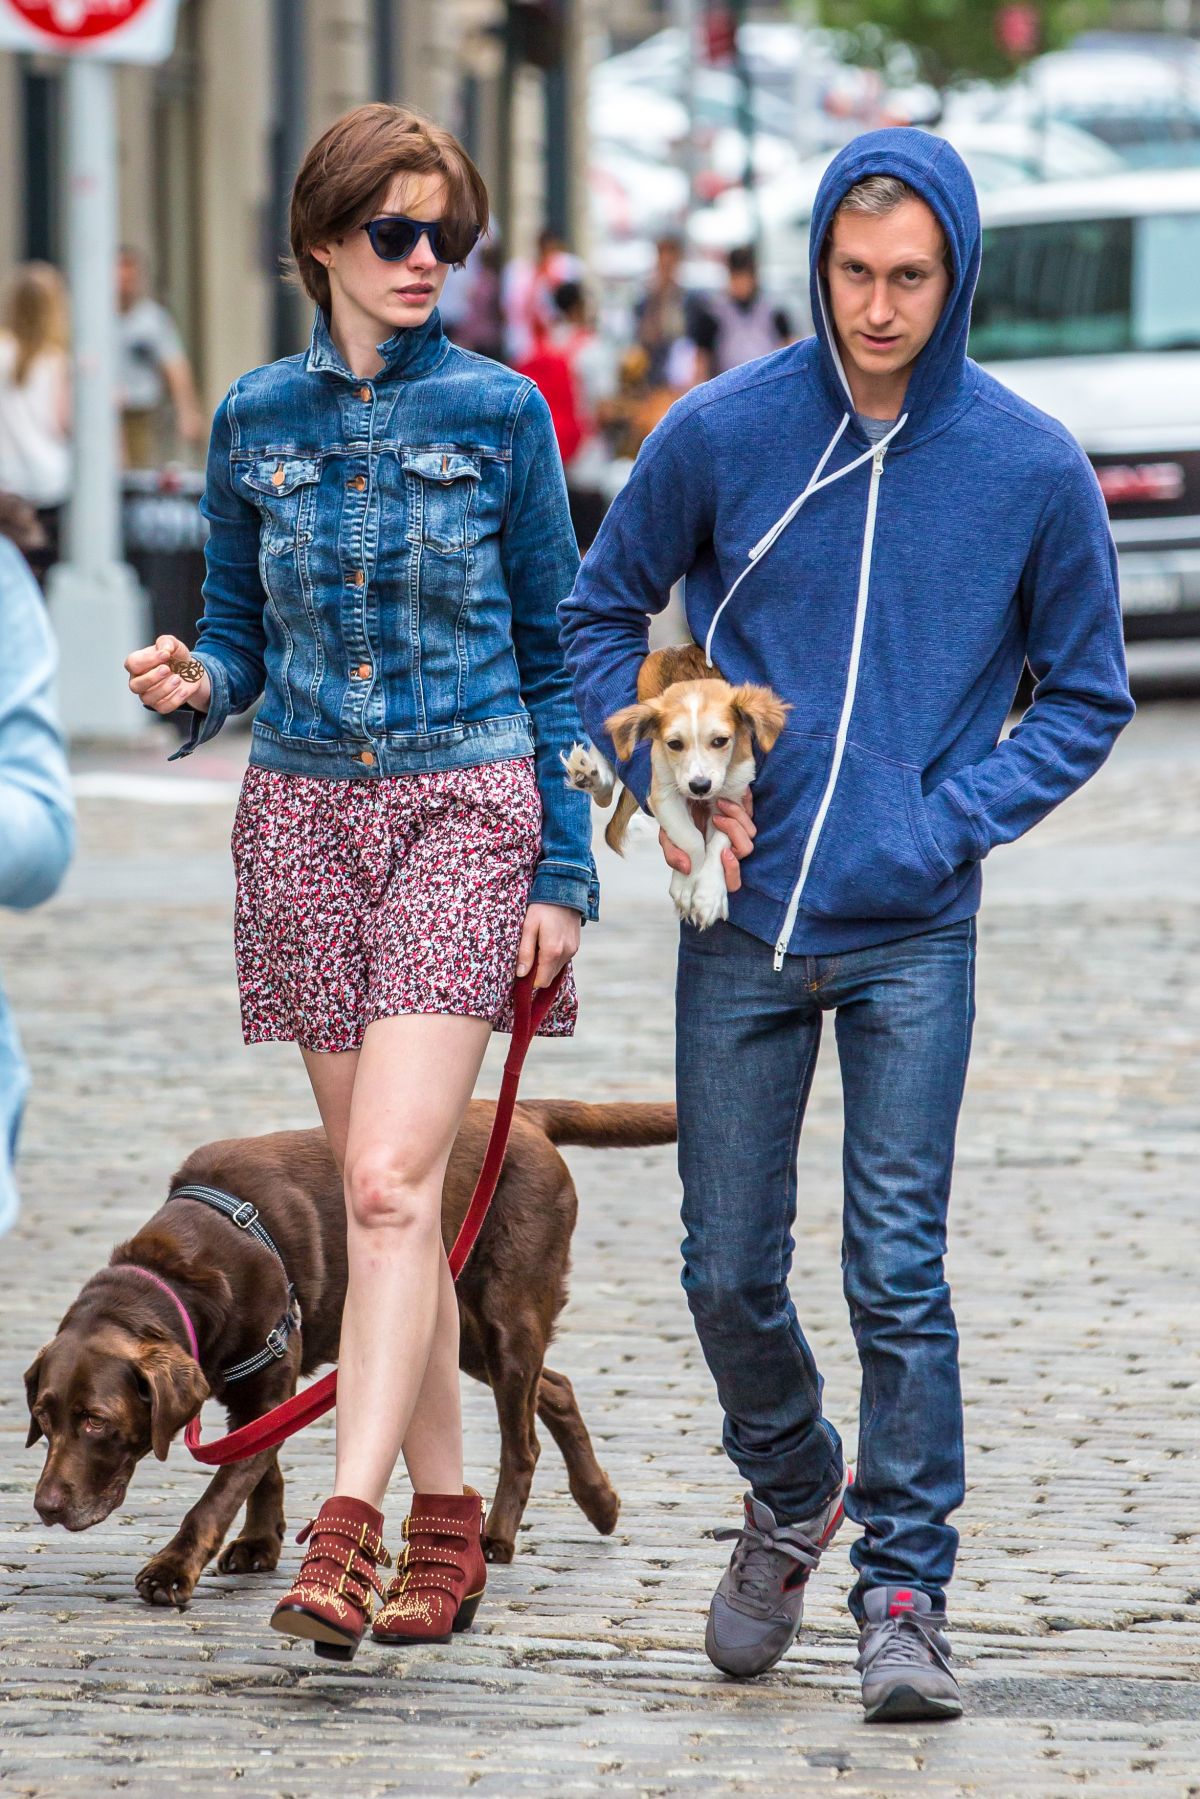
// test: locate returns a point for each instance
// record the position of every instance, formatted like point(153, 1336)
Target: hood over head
point(934, 169)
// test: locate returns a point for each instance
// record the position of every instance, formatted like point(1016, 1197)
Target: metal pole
point(685, 15)
point(93, 535)
point(746, 122)
point(98, 610)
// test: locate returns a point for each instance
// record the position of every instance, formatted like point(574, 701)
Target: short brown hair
point(879, 194)
point(345, 178)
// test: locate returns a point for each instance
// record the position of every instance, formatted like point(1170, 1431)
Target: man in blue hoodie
point(874, 527)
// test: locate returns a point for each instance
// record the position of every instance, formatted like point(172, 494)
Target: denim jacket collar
point(408, 352)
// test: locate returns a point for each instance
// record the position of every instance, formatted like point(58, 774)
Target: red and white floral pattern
point(372, 899)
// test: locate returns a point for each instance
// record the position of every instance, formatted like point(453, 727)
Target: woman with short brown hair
point(389, 537)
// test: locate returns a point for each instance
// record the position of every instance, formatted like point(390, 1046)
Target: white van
point(1088, 305)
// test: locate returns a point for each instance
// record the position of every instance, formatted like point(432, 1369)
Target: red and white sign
point(115, 30)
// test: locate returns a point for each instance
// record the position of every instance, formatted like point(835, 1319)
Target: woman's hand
point(549, 938)
point(735, 818)
point(157, 685)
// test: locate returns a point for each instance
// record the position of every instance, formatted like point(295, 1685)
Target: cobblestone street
point(1075, 1246)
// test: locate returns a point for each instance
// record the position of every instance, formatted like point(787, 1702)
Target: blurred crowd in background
point(706, 141)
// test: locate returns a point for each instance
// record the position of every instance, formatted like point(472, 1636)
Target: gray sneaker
point(757, 1607)
point(904, 1658)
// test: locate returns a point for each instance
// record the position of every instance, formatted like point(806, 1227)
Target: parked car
point(1088, 305)
point(1143, 104)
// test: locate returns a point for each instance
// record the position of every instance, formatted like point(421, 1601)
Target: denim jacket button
point(363, 672)
point(364, 394)
point(357, 483)
point(366, 757)
point(357, 578)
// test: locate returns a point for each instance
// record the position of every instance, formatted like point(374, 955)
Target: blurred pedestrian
point(37, 831)
point(528, 290)
point(152, 367)
point(35, 401)
point(739, 325)
point(480, 322)
point(405, 842)
point(662, 316)
point(592, 367)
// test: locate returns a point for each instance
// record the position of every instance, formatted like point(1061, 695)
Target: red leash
point(283, 1421)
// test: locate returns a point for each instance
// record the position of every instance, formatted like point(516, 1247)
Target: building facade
point(210, 141)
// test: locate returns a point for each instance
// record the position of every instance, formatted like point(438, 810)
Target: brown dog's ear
point(630, 725)
point(762, 711)
point(177, 1391)
point(33, 1375)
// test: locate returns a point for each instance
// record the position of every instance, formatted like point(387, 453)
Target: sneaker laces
point(912, 1640)
point(753, 1564)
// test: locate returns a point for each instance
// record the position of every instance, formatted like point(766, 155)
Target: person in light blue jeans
point(873, 526)
point(37, 830)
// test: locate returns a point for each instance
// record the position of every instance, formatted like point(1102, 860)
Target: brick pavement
point(1074, 1248)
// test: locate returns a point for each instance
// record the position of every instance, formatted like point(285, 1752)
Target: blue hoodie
point(891, 593)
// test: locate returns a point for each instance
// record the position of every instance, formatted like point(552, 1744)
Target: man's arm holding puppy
point(735, 819)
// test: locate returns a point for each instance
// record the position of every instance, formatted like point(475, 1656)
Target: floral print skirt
point(359, 900)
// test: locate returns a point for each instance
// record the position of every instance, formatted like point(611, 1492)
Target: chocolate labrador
point(119, 1380)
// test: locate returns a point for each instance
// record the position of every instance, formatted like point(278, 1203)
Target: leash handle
point(530, 1007)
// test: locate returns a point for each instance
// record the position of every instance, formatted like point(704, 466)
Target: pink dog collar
point(158, 1280)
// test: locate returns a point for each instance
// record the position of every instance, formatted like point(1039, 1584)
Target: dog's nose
point(700, 785)
point(50, 1506)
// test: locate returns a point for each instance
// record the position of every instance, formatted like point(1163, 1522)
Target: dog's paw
point(497, 1549)
point(249, 1555)
point(588, 772)
point(709, 901)
point(600, 1505)
point(167, 1579)
point(683, 888)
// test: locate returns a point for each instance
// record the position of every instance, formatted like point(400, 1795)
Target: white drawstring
point(814, 485)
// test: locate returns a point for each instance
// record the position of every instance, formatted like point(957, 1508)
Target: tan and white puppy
point(701, 732)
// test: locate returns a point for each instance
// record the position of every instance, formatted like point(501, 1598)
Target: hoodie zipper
point(839, 748)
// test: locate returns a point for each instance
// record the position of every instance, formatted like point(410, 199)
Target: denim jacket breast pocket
point(442, 486)
point(284, 488)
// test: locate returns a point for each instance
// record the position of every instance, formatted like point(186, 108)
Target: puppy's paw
point(709, 901)
point(588, 772)
point(168, 1578)
point(497, 1549)
point(681, 892)
point(249, 1555)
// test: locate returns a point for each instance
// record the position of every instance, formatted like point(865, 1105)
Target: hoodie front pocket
point(877, 857)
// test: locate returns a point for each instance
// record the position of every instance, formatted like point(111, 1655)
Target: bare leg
point(332, 1080)
point(434, 1432)
point(413, 1079)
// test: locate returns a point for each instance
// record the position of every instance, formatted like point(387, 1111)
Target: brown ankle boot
point(330, 1603)
point(440, 1578)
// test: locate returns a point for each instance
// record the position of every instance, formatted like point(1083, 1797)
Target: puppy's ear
point(33, 1375)
point(761, 711)
point(176, 1390)
point(630, 726)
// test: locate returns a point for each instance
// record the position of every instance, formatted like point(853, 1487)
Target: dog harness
point(245, 1216)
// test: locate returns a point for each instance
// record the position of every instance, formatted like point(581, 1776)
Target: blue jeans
point(747, 1041)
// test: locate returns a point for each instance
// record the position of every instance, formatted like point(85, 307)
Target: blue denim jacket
point(384, 561)
point(37, 828)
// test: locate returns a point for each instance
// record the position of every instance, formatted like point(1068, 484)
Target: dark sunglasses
point(393, 237)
